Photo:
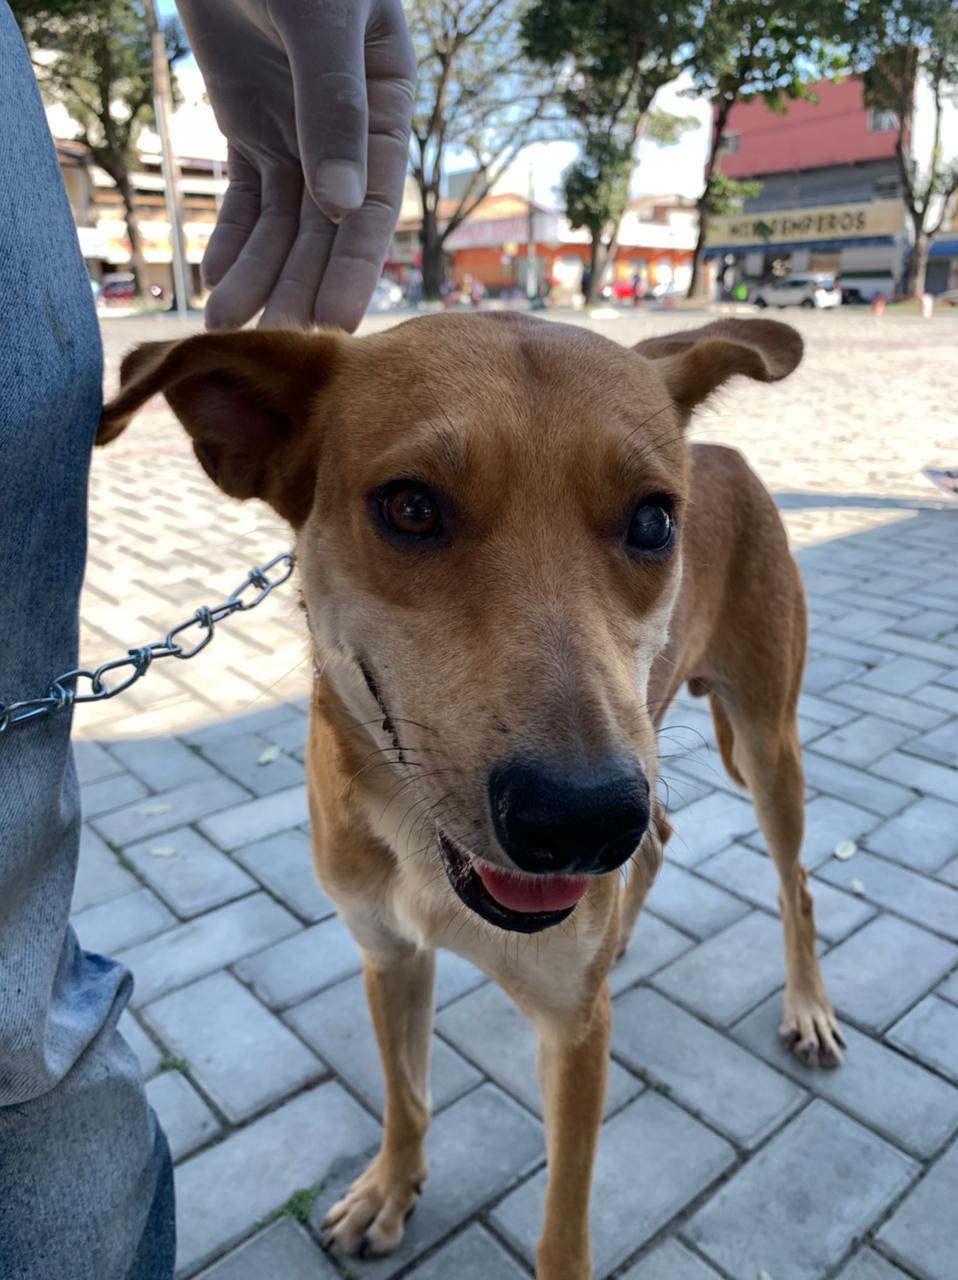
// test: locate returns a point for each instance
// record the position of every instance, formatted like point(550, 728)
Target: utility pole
point(162, 106)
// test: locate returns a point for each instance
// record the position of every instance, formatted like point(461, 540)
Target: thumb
point(332, 110)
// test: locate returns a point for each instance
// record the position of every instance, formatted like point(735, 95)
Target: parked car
point(119, 287)
point(386, 296)
point(799, 290)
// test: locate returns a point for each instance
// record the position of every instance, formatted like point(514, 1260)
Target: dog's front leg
point(573, 1067)
point(371, 1216)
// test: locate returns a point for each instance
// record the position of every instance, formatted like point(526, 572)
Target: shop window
point(730, 143)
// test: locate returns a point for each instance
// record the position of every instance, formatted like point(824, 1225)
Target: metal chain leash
point(64, 690)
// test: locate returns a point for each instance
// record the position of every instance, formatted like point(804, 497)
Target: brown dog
point(511, 561)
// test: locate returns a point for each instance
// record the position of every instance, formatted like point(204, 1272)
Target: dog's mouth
point(510, 900)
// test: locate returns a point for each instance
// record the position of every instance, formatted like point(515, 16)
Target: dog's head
point(488, 512)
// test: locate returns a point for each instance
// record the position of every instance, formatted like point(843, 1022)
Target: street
point(720, 1156)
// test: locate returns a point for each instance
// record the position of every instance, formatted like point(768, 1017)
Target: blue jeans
point(86, 1184)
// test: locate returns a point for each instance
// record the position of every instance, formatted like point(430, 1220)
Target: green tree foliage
point(476, 99)
point(910, 46)
point(742, 48)
point(93, 57)
point(610, 58)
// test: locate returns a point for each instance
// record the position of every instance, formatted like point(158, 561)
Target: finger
point(326, 59)
point(235, 221)
point(362, 240)
point(250, 280)
point(294, 296)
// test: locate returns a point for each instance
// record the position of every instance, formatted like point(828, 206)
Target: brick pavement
point(720, 1156)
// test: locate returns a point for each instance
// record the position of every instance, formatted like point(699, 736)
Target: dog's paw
point(371, 1217)
point(810, 1030)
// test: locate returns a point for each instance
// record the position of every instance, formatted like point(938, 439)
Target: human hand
point(315, 100)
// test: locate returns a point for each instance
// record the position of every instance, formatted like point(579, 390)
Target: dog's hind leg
point(573, 1068)
point(770, 762)
point(371, 1216)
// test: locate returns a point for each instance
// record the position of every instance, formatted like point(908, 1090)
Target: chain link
point(196, 631)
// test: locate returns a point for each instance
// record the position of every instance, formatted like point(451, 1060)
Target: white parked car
point(386, 296)
point(800, 290)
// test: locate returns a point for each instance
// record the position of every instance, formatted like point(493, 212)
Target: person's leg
point(85, 1177)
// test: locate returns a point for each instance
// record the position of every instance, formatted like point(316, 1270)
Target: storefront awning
point(944, 248)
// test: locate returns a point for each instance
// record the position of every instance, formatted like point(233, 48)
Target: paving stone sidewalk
point(720, 1156)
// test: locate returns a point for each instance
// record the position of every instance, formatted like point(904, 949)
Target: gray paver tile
point(924, 836)
point(671, 1261)
point(241, 1055)
point(93, 762)
point(300, 966)
point(691, 902)
point(653, 944)
point(923, 775)
point(455, 977)
point(933, 905)
point(923, 1232)
point(474, 1149)
point(722, 978)
point(491, 1032)
point(823, 673)
point(938, 697)
point(929, 624)
point(862, 741)
point(148, 1053)
point(753, 875)
point(290, 736)
point(188, 872)
point(854, 786)
point(284, 864)
point(930, 1032)
point(337, 1024)
point(708, 825)
point(257, 819)
point(889, 706)
point(949, 872)
point(186, 1119)
point(162, 763)
point(474, 1255)
point(824, 710)
point(712, 1076)
point(237, 1182)
point(121, 922)
point(868, 1265)
point(949, 988)
point(793, 1209)
point(829, 820)
point(156, 814)
point(695, 776)
point(879, 972)
point(240, 757)
point(680, 1158)
point(103, 797)
point(199, 947)
point(283, 1251)
point(901, 675)
point(100, 875)
point(891, 1094)
point(940, 745)
point(252, 722)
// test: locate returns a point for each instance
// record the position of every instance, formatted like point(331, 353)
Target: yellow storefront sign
point(821, 222)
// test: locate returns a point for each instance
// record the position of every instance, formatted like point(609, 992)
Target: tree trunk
point(137, 261)
point(433, 266)
point(598, 260)
point(917, 265)
point(697, 281)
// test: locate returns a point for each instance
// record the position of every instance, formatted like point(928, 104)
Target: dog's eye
point(652, 527)
point(410, 509)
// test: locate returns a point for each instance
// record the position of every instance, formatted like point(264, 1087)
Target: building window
point(881, 121)
point(730, 143)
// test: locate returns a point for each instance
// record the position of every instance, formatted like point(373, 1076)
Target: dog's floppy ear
point(696, 362)
point(245, 400)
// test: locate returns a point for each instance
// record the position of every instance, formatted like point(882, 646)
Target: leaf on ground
point(154, 810)
point(845, 849)
point(269, 755)
point(856, 886)
point(163, 851)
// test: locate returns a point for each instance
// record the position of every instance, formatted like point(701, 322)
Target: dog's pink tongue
point(531, 893)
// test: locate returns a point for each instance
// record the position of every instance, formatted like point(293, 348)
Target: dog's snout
point(552, 818)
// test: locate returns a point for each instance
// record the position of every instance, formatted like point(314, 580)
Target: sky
point(660, 170)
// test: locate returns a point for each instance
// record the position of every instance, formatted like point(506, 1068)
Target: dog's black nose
point(550, 818)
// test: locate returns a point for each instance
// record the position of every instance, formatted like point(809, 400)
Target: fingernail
point(339, 187)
